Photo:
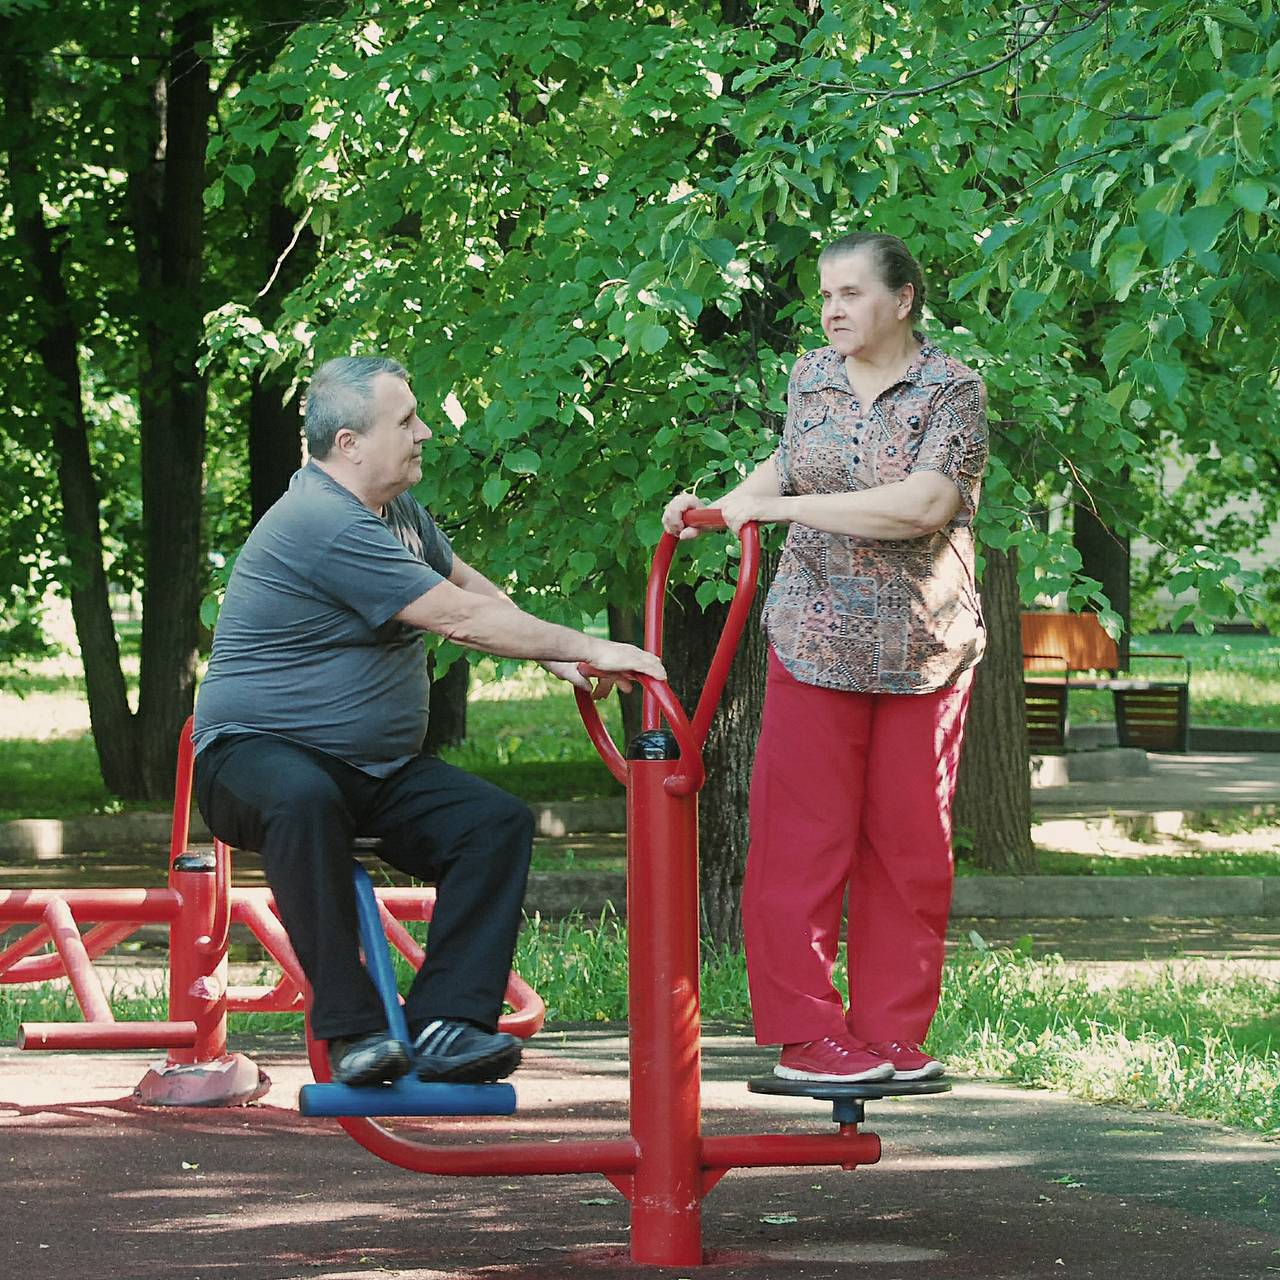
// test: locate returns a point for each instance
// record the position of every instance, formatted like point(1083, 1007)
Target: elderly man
point(310, 723)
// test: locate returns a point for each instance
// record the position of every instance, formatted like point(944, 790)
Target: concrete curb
point(46, 839)
point(556, 894)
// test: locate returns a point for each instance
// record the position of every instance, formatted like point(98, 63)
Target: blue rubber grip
point(407, 1097)
point(377, 955)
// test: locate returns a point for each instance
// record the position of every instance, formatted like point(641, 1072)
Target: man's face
point(858, 311)
point(390, 452)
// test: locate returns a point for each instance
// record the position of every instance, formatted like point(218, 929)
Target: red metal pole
point(197, 984)
point(662, 927)
point(75, 959)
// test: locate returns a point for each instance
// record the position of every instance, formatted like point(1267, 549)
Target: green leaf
point(1171, 377)
point(1124, 266)
point(494, 489)
point(1250, 195)
point(1024, 304)
point(1118, 394)
point(524, 462)
point(241, 174)
point(1198, 318)
point(1203, 224)
point(1120, 341)
point(721, 252)
point(653, 339)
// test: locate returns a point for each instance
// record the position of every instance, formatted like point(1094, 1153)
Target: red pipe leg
point(662, 925)
point(201, 1073)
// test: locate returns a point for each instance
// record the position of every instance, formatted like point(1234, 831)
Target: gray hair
point(341, 395)
point(895, 264)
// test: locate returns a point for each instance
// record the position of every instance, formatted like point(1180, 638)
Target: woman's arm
point(920, 505)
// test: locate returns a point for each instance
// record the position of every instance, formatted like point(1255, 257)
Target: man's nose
point(422, 432)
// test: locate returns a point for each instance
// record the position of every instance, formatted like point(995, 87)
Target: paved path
point(988, 1183)
point(1176, 783)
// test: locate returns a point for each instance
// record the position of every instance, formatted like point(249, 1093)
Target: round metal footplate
point(829, 1091)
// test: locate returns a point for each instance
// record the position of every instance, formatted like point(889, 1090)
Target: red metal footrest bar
point(106, 1035)
point(136, 906)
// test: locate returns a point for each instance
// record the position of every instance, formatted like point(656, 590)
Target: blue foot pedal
point(407, 1097)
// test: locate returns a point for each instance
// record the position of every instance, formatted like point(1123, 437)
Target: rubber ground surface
point(986, 1183)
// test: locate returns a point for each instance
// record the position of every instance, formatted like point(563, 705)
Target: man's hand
point(738, 507)
point(569, 671)
point(673, 515)
point(612, 657)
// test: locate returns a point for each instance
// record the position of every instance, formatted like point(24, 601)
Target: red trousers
point(850, 791)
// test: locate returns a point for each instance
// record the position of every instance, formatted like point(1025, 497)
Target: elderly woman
point(874, 623)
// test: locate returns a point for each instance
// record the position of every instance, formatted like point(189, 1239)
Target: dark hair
point(894, 262)
point(341, 395)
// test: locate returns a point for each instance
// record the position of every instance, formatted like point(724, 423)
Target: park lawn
point(524, 732)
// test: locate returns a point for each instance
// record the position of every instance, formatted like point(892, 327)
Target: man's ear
point(344, 441)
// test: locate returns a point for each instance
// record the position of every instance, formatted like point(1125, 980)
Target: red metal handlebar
point(681, 784)
point(658, 695)
point(744, 593)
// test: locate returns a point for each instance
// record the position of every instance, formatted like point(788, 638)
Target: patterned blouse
point(867, 614)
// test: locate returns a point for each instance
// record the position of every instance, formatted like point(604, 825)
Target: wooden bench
point(1065, 651)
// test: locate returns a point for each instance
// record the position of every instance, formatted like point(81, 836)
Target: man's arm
point(489, 621)
point(470, 579)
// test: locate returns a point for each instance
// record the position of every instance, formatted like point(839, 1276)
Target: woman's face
point(859, 313)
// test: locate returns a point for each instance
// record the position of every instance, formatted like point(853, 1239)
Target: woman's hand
point(739, 507)
point(673, 515)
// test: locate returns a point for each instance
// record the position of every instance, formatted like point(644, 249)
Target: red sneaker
point(910, 1062)
point(843, 1061)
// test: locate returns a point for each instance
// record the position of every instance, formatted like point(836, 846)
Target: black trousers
point(301, 809)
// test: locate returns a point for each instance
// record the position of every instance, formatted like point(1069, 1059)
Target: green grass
point(1235, 679)
point(56, 778)
point(1182, 1041)
point(1053, 862)
point(1186, 1041)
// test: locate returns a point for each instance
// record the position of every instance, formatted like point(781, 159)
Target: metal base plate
point(827, 1091)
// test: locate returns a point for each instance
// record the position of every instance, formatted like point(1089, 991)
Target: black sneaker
point(369, 1059)
point(449, 1049)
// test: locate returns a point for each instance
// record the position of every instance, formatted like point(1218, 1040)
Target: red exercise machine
point(664, 1167)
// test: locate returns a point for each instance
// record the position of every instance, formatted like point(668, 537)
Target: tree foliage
point(563, 236)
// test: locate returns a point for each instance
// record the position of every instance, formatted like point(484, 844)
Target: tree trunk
point(275, 438)
point(626, 626)
point(1106, 557)
point(993, 795)
point(691, 637)
point(447, 721)
point(169, 235)
point(56, 341)
point(275, 415)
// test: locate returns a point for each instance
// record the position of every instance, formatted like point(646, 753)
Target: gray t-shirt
point(307, 646)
